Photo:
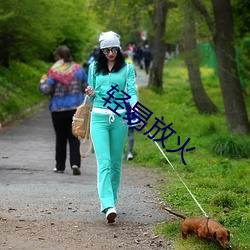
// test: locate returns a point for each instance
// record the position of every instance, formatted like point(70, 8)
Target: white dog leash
point(180, 177)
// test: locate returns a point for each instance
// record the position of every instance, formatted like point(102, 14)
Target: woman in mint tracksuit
point(108, 129)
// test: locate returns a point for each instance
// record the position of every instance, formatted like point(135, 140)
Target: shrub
point(231, 146)
point(223, 200)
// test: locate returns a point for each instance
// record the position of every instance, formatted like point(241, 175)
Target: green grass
point(19, 88)
point(231, 146)
point(217, 171)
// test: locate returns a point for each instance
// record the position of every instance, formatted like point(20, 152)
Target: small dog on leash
point(204, 229)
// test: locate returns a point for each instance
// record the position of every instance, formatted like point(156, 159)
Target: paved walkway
point(27, 158)
point(26, 163)
point(141, 78)
point(29, 189)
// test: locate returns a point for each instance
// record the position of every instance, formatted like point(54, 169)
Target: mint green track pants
point(108, 139)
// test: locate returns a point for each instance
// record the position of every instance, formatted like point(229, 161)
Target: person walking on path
point(108, 129)
point(147, 54)
point(65, 84)
point(131, 136)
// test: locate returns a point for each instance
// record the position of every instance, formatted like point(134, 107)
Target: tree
point(159, 46)
point(201, 99)
point(223, 38)
point(28, 33)
point(126, 17)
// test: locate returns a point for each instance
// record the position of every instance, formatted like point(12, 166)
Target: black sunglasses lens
point(114, 50)
point(107, 51)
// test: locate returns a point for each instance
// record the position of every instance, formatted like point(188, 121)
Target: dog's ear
point(214, 235)
point(228, 237)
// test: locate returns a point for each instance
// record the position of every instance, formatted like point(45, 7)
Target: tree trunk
point(201, 99)
point(235, 109)
point(159, 47)
point(223, 38)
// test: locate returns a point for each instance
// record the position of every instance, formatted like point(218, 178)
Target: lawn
point(216, 171)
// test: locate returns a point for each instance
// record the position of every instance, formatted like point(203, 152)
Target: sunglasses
point(106, 51)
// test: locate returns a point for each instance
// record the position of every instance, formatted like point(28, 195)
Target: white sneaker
point(130, 156)
point(111, 214)
point(58, 171)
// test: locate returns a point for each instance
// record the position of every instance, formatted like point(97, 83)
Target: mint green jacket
point(125, 78)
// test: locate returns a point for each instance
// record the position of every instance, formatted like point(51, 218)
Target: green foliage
point(219, 183)
point(210, 129)
point(241, 17)
point(175, 25)
point(170, 230)
point(224, 200)
point(243, 59)
point(19, 87)
point(128, 18)
point(29, 33)
point(175, 28)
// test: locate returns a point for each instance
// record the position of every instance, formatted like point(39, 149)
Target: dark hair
point(102, 67)
point(64, 53)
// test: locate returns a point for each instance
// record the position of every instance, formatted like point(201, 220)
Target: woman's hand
point(90, 91)
point(132, 106)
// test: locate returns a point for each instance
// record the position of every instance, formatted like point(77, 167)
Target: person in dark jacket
point(147, 54)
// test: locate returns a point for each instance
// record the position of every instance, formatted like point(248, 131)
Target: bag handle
point(85, 139)
point(85, 99)
point(91, 148)
point(126, 82)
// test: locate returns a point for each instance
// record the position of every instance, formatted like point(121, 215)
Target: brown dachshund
point(204, 229)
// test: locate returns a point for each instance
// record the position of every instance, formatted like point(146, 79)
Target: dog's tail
point(175, 213)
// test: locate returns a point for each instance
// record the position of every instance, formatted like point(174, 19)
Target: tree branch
point(202, 9)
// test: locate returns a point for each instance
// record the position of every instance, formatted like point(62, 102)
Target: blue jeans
point(108, 139)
